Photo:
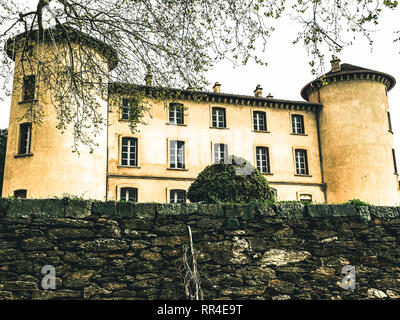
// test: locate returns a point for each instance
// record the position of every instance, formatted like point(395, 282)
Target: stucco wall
point(199, 138)
point(134, 251)
point(52, 169)
point(356, 142)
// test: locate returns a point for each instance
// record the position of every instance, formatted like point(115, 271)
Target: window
point(25, 133)
point(129, 194)
point(20, 194)
point(129, 152)
point(297, 124)
point(128, 109)
point(301, 162)
point(177, 154)
point(220, 152)
point(177, 196)
point(394, 161)
point(218, 117)
point(262, 157)
point(389, 121)
point(305, 197)
point(29, 88)
point(259, 121)
point(175, 113)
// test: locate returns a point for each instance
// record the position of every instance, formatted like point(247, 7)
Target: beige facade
point(343, 125)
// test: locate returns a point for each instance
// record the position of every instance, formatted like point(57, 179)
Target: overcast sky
point(288, 70)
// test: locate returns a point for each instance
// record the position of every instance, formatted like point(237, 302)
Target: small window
point(297, 124)
point(262, 157)
point(259, 120)
point(177, 154)
point(25, 133)
point(20, 194)
point(129, 152)
point(29, 88)
point(301, 162)
point(305, 197)
point(128, 109)
point(394, 161)
point(176, 113)
point(218, 117)
point(177, 196)
point(220, 152)
point(389, 121)
point(129, 194)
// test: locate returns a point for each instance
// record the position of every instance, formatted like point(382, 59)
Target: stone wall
point(134, 251)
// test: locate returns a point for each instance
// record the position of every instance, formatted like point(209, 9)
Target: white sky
point(288, 70)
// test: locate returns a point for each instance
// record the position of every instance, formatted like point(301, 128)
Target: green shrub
point(220, 183)
point(357, 203)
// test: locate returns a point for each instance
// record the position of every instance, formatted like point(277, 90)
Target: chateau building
point(334, 146)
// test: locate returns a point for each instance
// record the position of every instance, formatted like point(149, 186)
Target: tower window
point(220, 152)
point(20, 193)
point(129, 194)
point(262, 157)
point(297, 124)
point(389, 121)
point(394, 161)
point(218, 117)
point(25, 133)
point(129, 152)
point(301, 161)
point(29, 87)
point(128, 109)
point(177, 154)
point(177, 196)
point(176, 113)
point(259, 120)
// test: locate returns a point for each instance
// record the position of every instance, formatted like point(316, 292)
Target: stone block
point(125, 209)
point(243, 211)
point(23, 208)
point(145, 211)
point(215, 210)
point(265, 210)
point(289, 210)
point(319, 211)
point(189, 208)
point(77, 208)
point(104, 245)
point(108, 208)
point(384, 212)
point(168, 209)
point(4, 204)
point(343, 210)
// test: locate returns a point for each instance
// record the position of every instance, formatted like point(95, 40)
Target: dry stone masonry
point(120, 250)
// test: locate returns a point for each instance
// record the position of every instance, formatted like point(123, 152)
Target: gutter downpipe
point(324, 187)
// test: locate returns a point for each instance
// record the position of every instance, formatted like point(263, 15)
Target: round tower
point(356, 137)
point(39, 159)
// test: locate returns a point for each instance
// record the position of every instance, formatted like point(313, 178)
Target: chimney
point(149, 77)
point(270, 96)
point(335, 64)
point(217, 87)
point(258, 91)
